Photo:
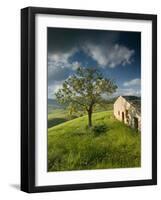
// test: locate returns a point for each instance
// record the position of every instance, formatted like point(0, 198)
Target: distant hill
point(53, 104)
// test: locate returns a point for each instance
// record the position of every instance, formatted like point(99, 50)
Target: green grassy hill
point(56, 117)
point(58, 114)
point(109, 144)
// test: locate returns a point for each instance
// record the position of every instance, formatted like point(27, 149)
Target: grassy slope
point(57, 116)
point(60, 115)
point(71, 146)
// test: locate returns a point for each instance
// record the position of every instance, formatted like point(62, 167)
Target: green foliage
point(83, 90)
point(85, 87)
point(71, 146)
point(74, 112)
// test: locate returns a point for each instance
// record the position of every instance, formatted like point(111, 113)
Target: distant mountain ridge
point(53, 104)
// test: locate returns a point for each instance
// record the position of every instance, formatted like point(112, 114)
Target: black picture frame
point(28, 99)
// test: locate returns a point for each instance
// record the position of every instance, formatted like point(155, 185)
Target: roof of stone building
point(134, 101)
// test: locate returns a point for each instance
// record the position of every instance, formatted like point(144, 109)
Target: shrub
point(99, 129)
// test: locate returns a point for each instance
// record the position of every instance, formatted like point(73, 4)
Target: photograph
point(89, 99)
point(94, 99)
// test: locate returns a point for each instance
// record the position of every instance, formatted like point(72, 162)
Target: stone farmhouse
point(128, 110)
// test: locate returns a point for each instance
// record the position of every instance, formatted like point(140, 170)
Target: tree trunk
point(90, 118)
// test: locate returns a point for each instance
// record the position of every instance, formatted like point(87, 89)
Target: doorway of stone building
point(123, 116)
point(135, 122)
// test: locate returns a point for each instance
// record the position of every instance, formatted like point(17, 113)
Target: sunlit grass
point(73, 146)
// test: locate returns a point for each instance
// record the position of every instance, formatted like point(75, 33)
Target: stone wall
point(125, 112)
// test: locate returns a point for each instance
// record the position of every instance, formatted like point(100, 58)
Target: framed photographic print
point(88, 99)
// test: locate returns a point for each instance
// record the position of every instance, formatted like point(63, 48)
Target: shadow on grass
point(56, 121)
point(100, 129)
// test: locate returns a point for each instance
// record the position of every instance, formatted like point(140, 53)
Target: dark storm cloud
point(58, 75)
point(63, 40)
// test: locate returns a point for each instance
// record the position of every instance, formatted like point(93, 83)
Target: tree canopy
point(85, 89)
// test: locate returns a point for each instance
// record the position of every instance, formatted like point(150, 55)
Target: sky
point(117, 54)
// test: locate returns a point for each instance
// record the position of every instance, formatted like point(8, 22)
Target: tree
point(85, 89)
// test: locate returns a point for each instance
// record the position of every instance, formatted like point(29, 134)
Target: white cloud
point(127, 92)
point(59, 65)
point(131, 88)
point(75, 65)
point(60, 59)
point(54, 88)
point(123, 92)
point(133, 82)
point(109, 56)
